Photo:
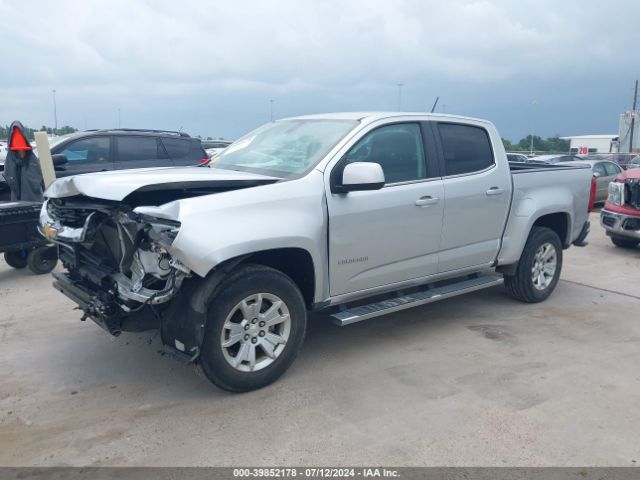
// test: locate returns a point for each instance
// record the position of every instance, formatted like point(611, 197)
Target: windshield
point(284, 148)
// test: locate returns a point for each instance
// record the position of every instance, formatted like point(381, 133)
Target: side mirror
point(359, 176)
point(596, 175)
point(59, 159)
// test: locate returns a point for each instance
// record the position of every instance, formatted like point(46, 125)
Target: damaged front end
point(120, 270)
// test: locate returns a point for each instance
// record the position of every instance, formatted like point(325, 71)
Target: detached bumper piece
point(106, 315)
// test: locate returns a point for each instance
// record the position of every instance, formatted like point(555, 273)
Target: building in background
point(585, 144)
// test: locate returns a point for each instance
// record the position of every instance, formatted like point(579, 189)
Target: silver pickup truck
point(355, 214)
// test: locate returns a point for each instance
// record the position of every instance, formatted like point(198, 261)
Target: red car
point(620, 216)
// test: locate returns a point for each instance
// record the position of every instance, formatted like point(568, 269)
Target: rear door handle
point(426, 201)
point(495, 191)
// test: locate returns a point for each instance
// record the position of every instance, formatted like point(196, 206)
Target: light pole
point(400, 85)
point(271, 109)
point(55, 112)
point(118, 118)
point(533, 104)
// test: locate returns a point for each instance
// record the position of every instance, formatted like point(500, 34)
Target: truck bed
point(522, 167)
point(539, 189)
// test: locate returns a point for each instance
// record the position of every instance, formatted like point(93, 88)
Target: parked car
point(119, 149)
point(620, 216)
point(622, 159)
point(357, 215)
point(214, 147)
point(634, 162)
point(517, 157)
point(552, 159)
point(3, 152)
point(605, 172)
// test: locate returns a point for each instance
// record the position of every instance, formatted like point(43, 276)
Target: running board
point(364, 312)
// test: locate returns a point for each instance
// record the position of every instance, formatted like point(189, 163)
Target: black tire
point(42, 260)
point(249, 280)
point(624, 242)
point(520, 285)
point(16, 259)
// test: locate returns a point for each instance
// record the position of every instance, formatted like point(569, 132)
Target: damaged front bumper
point(118, 261)
point(620, 224)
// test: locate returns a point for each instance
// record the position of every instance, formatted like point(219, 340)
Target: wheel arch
point(519, 229)
point(296, 263)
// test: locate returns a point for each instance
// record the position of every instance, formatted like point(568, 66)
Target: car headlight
point(616, 193)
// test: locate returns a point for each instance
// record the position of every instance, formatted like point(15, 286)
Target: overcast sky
point(557, 67)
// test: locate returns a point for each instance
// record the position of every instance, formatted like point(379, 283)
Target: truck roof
point(368, 117)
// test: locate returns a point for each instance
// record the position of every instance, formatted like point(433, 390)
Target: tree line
point(4, 131)
point(551, 144)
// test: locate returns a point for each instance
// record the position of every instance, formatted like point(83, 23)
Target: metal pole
point(118, 118)
point(55, 112)
point(633, 117)
point(271, 109)
point(533, 104)
point(400, 85)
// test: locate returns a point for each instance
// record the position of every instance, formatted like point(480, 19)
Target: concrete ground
point(475, 381)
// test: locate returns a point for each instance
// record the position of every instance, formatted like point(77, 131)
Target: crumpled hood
point(119, 184)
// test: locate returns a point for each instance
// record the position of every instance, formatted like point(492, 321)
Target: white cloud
point(135, 51)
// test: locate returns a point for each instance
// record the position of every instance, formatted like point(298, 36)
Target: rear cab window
point(177, 147)
point(466, 148)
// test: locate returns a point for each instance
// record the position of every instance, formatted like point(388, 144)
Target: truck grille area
point(633, 191)
point(608, 220)
point(69, 216)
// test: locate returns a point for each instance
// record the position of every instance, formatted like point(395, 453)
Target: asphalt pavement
point(477, 380)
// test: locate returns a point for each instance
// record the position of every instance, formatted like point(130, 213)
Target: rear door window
point(138, 148)
point(466, 148)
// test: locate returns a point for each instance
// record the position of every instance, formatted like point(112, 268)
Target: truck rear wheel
point(624, 242)
point(539, 267)
point(16, 259)
point(256, 323)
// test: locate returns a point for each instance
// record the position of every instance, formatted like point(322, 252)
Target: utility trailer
point(20, 240)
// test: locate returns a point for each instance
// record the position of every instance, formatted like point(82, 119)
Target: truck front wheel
point(539, 267)
point(256, 323)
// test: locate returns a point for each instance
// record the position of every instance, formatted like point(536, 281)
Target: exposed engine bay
point(632, 192)
point(117, 260)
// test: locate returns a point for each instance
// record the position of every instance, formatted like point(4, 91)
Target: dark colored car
point(119, 149)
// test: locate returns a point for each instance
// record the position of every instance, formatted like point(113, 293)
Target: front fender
point(283, 215)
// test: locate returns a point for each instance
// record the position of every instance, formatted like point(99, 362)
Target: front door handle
point(495, 191)
point(426, 201)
